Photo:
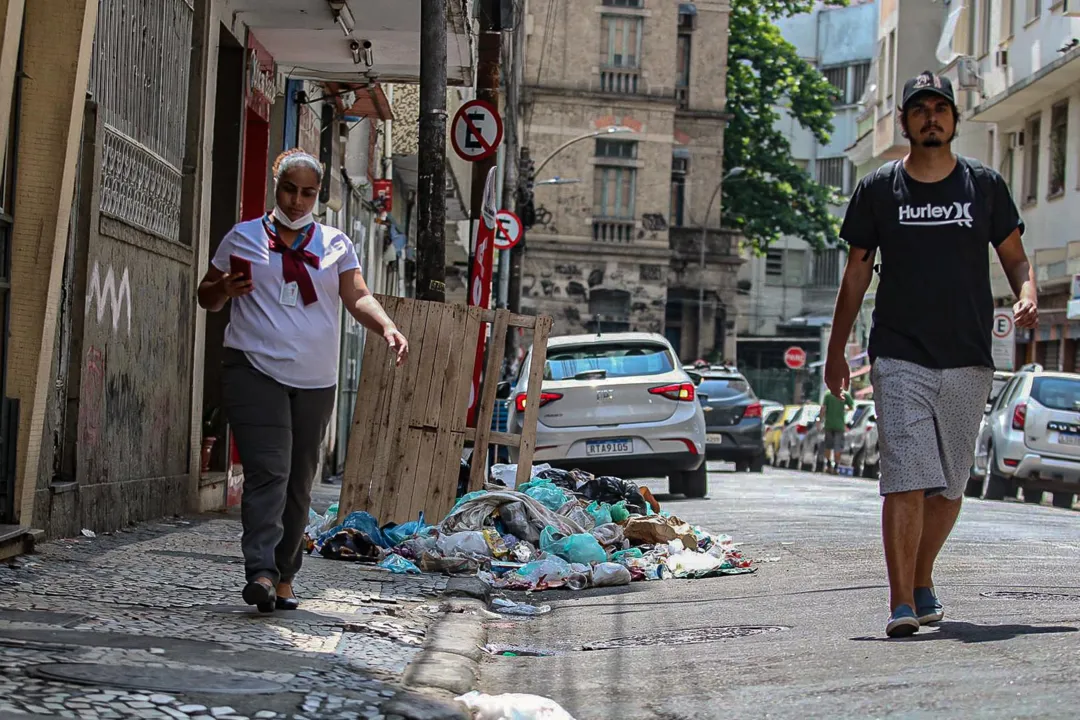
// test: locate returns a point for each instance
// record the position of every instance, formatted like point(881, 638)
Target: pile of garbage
point(562, 529)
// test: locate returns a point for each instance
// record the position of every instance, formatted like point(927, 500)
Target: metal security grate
point(139, 78)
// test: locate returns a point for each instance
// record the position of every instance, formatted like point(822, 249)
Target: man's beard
point(933, 142)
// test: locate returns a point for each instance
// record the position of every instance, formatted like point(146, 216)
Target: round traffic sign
point(1003, 325)
point(476, 131)
point(508, 230)
point(795, 358)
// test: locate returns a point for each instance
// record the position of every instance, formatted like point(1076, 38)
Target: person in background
point(833, 411)
point(285, 274)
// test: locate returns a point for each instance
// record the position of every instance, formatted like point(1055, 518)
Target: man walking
point(834, 408)
point(932, 216)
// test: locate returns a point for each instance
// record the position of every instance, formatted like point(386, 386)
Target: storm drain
point(686, 637)
point(155, 679)
point(1022, 595)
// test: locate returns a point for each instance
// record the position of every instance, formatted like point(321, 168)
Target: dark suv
point(733, 427)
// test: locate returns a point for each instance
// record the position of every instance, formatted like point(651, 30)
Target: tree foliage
point(774, 196)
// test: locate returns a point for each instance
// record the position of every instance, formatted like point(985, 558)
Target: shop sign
point(262, 79)
point(382, 194)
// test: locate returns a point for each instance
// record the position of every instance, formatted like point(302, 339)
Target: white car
point(1030, 439)
point(617, 404)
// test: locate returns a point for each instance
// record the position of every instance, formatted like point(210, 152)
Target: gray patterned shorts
point(927, 424)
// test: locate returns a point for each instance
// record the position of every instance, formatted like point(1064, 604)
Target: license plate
point(1069, 439)
point(714, 439)
point(609, 447)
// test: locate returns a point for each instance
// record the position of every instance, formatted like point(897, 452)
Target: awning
point(1029, 92)
point(309, 42)
point(687, 8)
point(366, 102)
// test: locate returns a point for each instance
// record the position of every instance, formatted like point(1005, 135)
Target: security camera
point(362, 52)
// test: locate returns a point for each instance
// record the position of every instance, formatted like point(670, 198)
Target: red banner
point(480, 283)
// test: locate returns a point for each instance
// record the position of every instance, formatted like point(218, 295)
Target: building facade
point(619, 245)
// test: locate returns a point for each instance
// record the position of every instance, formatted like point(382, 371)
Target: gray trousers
point(278, 431)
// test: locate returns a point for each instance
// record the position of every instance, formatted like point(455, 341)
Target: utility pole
point(431, 170)
point(511, 144)
point(487, 88)
point(521, 202)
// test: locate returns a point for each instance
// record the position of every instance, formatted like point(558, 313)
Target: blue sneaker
point(902, 623)
point(927, 607)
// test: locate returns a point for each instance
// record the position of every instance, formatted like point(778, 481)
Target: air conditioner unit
point(1070, 8)
point(967, 74)
point(1016, 140)
point(1001, 58)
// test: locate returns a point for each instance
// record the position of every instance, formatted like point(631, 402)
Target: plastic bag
point(360, 524)
point(619, 512)
point(512, 706)
point(400, 533)
point(470, 542)
point(610, 575)
point(516, 522)
point(575, 512)
point(608, 535)
point(560, 478)
point(467, 497)
point(601, 512)
point(625, 554)
point(547, 494)
point(552, 569)
point(399, 565)
point(573, 548)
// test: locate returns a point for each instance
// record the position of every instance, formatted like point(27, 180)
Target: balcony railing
point(623, 81)
point(612, 230)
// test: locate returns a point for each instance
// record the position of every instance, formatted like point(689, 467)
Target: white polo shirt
point(296, 345)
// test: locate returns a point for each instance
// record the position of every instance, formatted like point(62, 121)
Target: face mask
point(282, 219)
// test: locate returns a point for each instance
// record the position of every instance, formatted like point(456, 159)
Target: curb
point(449, 664)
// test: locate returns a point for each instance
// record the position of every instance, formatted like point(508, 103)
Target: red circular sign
point(795, 358)
point(476, 131)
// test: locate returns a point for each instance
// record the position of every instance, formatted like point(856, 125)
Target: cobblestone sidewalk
point(149, 624)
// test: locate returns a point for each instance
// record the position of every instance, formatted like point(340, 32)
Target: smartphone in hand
point(240, 267)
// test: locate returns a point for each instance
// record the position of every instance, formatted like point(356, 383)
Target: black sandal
point(286, 603)
point(262, 596)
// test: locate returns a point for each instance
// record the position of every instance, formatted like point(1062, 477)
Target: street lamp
point(733, 172)
point(558, 181)
point(606, 131)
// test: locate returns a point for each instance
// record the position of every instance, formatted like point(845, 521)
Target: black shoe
point(289, 603)
point(261, 596)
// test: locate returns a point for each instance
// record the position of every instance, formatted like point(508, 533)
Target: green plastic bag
point(547, 494)
point(601, 512)
point(631, 553)
point(584, 549)
point(467, 497)
point(619, 513)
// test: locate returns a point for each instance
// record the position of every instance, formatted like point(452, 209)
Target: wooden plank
point(355, 479)
point(439, 391)
point(473, 328)
point(526, 322)
point(446, 464)
point(422, 473)
point(532, 400)
point(488, 390)
point(376, 419)
point(419, 395)
point(511, 440)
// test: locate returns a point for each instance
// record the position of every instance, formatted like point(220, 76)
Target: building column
point(11, 22)
point(57, 41)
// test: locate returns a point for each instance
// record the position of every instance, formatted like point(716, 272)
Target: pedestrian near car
point(834, 408)
point(932, 217)
point(285, 274)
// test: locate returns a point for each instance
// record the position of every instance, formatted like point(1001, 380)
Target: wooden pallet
point(410, 424)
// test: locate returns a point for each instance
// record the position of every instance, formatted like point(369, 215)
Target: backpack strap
point(980, 174)
point(884, 178)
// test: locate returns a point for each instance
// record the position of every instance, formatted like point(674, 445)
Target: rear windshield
point(995, 390)
point(725, 388)
point(1057, 393)
point(616, 359)
point(773, 416)
point(855, 415)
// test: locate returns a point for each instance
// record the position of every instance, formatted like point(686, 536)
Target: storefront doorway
point(9, 407)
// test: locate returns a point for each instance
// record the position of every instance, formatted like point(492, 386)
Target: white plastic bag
point(610, 575)
point(470, 542)
point(512, 706)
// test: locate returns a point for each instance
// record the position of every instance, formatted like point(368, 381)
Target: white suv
point(617, 404)
point(1030, 439)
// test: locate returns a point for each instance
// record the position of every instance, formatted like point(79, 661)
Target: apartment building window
point(837, 77)
point(1059, 133)
point(785, 267)
point(614, 187)
point(830, 172)
point(984, 27)
point(1032, 10)
point(1008, 11)
point(861, 76)
point(682, 77)
point(774, 266)
point(1031, 159)
point(620, 53)
point(623, 3)
point(827, 268)
point(679, 168)
point(889, 69)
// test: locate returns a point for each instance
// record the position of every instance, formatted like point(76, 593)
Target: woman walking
point(284, 273)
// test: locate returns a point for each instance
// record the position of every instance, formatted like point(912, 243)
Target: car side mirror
point(502, 390)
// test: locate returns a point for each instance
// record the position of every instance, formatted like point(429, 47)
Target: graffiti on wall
point(90, 410)
point(107, 294)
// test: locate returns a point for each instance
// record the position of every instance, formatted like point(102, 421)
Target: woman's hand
point(236, 285)
point(397, 343)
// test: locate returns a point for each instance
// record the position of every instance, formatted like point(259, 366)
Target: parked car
point(617, 404)
point(861, 441)
point(774, 427)
point(733, 419)
point(791, 439)
point(977, 476)
point(1030, 440)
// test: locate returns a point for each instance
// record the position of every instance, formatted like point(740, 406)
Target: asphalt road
point(1008, 648)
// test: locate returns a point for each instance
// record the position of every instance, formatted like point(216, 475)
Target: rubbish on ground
point(551, 495)
point(581, 547)
point(507, 474)
point(609, 536)
point(514, 651)
point(512, 706)
point(628, 553)
point(509, 607)
point(468, 542)
point(398, 534)
point(88, 533)
point(600, 512)
point(658, 529)
point(578, 514)
point(619, 512)
point(610, 575)
point(612, 490)
point(399, 565)
point(476, 513)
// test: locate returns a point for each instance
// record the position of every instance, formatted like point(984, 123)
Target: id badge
point(289, 293)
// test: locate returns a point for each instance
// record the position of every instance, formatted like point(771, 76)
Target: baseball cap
point(928, 82)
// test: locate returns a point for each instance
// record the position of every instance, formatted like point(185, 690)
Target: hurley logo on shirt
point(954, 214)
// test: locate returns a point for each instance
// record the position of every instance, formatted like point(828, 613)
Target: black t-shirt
point(934, 306)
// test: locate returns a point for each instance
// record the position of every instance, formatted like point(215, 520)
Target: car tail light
point(1019, 416)
point(1011, 463)
point(801, 429)
point(545, 398)
point(683, 392)
point(753, 411)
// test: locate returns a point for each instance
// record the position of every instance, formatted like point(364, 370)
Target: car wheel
point(742, 466)
point(695, 484)
point(1033, 497)
point(757, 465)
point(1064, 500)
point(997, 485)
point(675, 484)
point(974, 487)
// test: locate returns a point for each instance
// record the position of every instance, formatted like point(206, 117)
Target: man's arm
point(857, 276)
point(1021, 275)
